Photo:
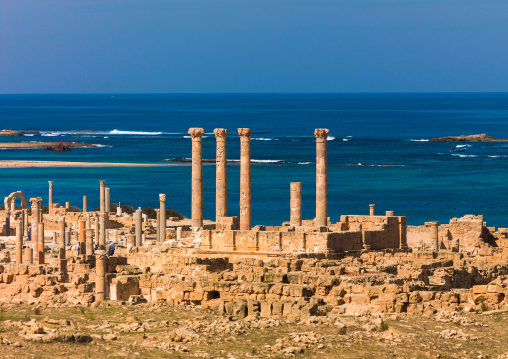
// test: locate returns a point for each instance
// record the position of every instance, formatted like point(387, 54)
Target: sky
point(260, 46)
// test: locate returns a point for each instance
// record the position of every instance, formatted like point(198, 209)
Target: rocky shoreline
point(483, 137)
point(29, 145)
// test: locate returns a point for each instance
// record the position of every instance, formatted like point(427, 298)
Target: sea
point(378, 151)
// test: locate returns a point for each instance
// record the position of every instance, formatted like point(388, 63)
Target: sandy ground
point(28, 164)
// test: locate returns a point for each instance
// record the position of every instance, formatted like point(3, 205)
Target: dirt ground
point(116, 330)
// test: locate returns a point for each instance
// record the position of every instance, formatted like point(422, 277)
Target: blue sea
point(366, 131)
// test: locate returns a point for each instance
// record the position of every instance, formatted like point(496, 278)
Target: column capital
point(162, 197)
point(102, 183)
point(50, 183)
point(196, 133)
point(321, 134)
point(244, 133)
point(221, 134)
point(34, 201)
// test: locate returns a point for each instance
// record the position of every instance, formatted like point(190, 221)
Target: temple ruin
point(301, 268)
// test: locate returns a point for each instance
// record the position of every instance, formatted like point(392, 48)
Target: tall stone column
point(25, 223)
point(61, 237)
point(19, 243)
point(296, 204)
point(321, 177)
point(178, 234)
point(103, 196)
point(162, 222)
point(108, 199)
point(85, 204)
point(221, 181)
point(403, 233)
point(102, 230)
point(372, 211)
point(245, 188)
point(7, 226)
point(138, 226)
point(158, 225)
point(50, 198)
point(39, 205)
point(96, 228)
point(82, 236)
point(197, 176)
point(40, 246)
point(35, 227)
point(434, 235)
point(100, 273)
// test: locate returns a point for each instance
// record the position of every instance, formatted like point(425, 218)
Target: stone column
point(245, 188)
point(178, 233)
point(35, 227)
point(197, 176)
point(102, 230)
point(88, 223)
point(108, 199)
point(221, 180)
point(296, 203)
point(61, 237)
point(82, 237)
point(372, 210)
point(321, 177)
point(434, 231)
point(390, 213)
point(96, 229)
point(100, 273)
point(50, 197)
point(138, 217)
point(67, 205)
point(25, 223)
point(103, 196)
point(119, 210)
point(67, 237)
point(403, 233)
point(29, 255)
point(85, 204)
point(39, 205)
point(40, 246)
point(157, 225)
point(7, 226)
point(89, 242)
point(162, 223)
point(19, 243)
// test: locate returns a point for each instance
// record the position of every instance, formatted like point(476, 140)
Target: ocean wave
point(330, 138)
point(349, 136)
point(459, 155)
point(28, 135)
point(497, 156)
point(346, 139)
point(98, 145)
point(106, 136)
point(50, 134)
point(460, 146)
point(265, 161)
point(265, 139)
point(142, 133)
point(421, 140)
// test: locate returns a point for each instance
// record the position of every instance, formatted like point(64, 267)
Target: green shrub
point(383, 327)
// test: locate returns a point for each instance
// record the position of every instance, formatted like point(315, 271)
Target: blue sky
point(172, 46)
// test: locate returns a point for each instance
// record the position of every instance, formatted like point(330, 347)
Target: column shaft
point(40, 246)
point(61, 238)
point(138, 227)
point(372, 211)
point(102, 230)
point(296, 204)
point(221, 181)
point(19, 243)
point(321, 177)
point(35, 228)
point(50, 197)
point(82, 236)
point(108, 199)
point(100, 271)
point(245, 185)
point(162, 222)
point(197, 176)
point(435, 235)
point(103, 196)
point(85, 204)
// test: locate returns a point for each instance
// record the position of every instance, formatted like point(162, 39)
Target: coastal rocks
point(472, 138)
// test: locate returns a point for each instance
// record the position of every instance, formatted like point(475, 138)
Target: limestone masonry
point(302, 268)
